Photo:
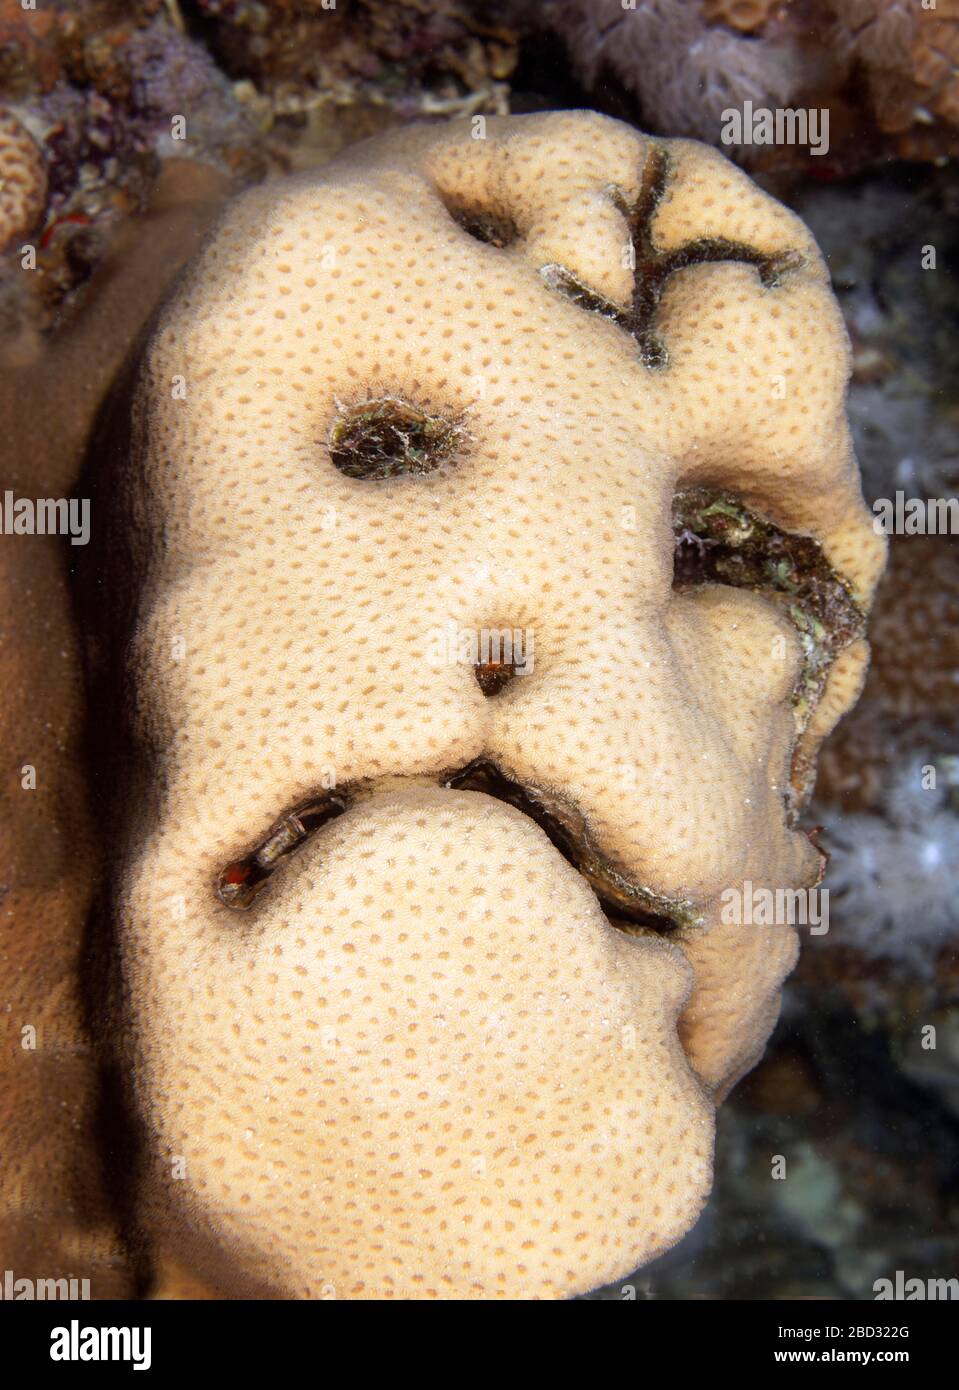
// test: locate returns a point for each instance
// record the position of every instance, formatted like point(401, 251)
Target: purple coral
point(173, 76)
point(170, 73)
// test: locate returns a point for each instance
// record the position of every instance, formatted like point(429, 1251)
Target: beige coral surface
point(425, 1061)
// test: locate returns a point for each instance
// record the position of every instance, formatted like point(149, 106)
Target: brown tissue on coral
point(748, 16)
point(61, 40)
point(24, 57)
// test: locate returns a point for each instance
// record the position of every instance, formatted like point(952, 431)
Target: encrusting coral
point(23, 180)
point(466, 1037)
point(909, 54)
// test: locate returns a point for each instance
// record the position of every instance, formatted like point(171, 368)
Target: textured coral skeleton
point(436, 1056)
point(23, 180)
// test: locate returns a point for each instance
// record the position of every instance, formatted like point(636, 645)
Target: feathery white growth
point(894, 878)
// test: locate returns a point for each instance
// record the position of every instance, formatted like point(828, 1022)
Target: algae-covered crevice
point(390, 438)
point(631, 906)
point(654, 266)
point(719, 540)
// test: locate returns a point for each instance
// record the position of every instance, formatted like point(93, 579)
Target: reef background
point(867, 1119)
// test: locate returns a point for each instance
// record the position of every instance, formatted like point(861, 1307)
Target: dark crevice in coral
point(241, 881)
point(649, 270)
point(494, 229)
point(564, 282)
point(390, 438)
point(494, 676)
point(629, 906)
point(718, 540)
point(653, 268)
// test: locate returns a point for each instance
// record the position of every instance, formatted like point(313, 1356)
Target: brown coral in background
point(748, 16)
point(54, 1214)
point(909, 60)
point(915, 631)
point(23, 180)
point(911, 697)
point(887, 793)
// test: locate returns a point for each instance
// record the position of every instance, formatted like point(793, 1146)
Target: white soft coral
point(895, 877)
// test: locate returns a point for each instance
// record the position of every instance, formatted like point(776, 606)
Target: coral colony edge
point(486, 562)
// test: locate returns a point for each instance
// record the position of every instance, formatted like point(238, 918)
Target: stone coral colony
point(462, 963)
